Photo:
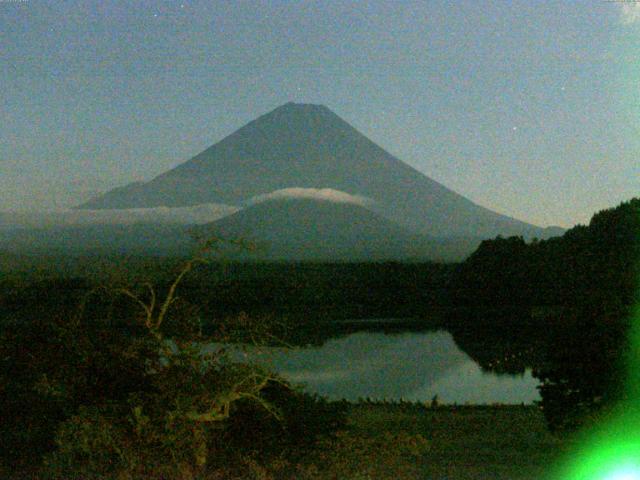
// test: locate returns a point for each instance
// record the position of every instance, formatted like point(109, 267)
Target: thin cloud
point(197, 214)
point(630, 12)
point(327, 194)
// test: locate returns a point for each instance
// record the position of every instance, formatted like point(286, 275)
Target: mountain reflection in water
point(413, 366)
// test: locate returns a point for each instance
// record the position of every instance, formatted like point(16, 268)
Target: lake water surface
point(413, 366)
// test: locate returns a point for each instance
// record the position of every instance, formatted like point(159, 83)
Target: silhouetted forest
point(310, 290)
point(574, 298)
point(594, 264)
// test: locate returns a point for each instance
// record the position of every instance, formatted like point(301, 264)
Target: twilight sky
point(529, 108)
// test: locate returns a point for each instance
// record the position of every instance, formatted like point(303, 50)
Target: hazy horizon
point(528, 109)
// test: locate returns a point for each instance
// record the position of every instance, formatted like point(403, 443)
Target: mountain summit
point(308, 146)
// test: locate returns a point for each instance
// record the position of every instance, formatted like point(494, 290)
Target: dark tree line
point(586, 283)
point(597, 263)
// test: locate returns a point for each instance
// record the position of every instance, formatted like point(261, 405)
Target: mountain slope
point(309, 146)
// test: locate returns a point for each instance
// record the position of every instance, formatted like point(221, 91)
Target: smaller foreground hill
point(295, 229)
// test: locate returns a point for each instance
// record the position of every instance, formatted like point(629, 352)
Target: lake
point(413, 366)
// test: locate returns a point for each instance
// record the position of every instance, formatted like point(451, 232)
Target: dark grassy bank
point(508, 442)
point(412, 441)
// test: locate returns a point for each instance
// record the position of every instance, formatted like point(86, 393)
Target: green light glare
point(612, 451)
point(605, 459)
point(626, 472)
